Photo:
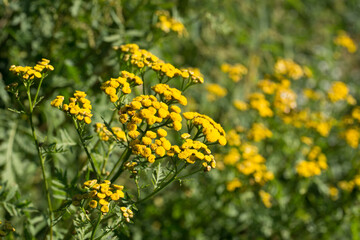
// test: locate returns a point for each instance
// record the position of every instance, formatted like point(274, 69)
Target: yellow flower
point(233, 184)
point(215, 91)
point(289, 68)
point(338, 91)
point(265, 198)
point(344, 40)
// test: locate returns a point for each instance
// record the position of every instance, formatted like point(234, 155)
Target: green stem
point(38, 90)
point(96, 226)
point(106, 158)
point(86, 150)
point(174, 177)
point(125, 156)
point(42, 164)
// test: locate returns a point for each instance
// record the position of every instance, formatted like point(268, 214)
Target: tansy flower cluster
point(122, 85)
point(350, 184)
point(317, 162)
point(338, 91)
point(142, 59)
point(215, 91)
point(212, 131)
point(79, 107)
point(116, 133)
point(235, 72)
point(172, 95)
point(288, 68)
point(344, 40)
point(29, 73)
point(167, 23)
point(258, 132)
point(233, 184)
point(99, 195)
point(265, 198)
point(259, 103)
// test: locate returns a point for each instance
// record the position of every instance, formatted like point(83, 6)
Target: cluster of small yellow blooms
point(215, 92)
point(127, 213)
point(352, 136)
point(338, 91)
point(99, 195)
point(27, 73)
point(79, 106)
point(191, 151)
point(240, 105)
point(344, 40)
point(116, 133)
point(125, 82)
point(267, 86)
point(167, 23)
point(333, 192)
point(320, 123)
point(149, 109)
point(288, 67)
point(233, 138)
point(235, 72)
point(212, 131)
point(6, 228)
point(307, 140)
point(317, 162)
point(141, 58)
point(349, 185)
point(259, 102)
point(170, 94)
point(233, 184)
point(285, 100)
point(311, 94)
point(252, 163)
point(265, 198)
point(259, 132)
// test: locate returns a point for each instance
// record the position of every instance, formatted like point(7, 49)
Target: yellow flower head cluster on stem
point(78, 106)
point(116, 133)
point(99, 195)
point(232, 157)
point(344, 40)
point(170, 94)
point(338, 91)
point(311, 94)
point(167, 23)
point(233, 138)
point(320, 123)
point(146, 108)
point(240, 105)
point(215, 91)
point(258, 102)
point(192, 151)
point(259, 132)
point(29, 73)
point(285, 100)
point(193, 73)
point(233, 184)
point(317, 162)
point(352, 136)
point(127, 213)
point(235, 72)
point(267, 86)
point(288, 67)
point(124, 83)
point(254, 164)
point(333, 192)
point(265, 198)
point(212, 131)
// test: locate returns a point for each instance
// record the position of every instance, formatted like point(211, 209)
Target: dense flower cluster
point(259, 132)
point(215, 91)
point(235, 72)
point(338, 91)
point(265, 198)
point(105, 134)
point(124, 83)
point(29, 73)
point(167, 23)
point(259, 103)
point(344, 40)
point(316, 162)
point(99, 195)
point(170, 94)
point(289, 68)
point(79, 107)
point(213, 132)
point(141, 58)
